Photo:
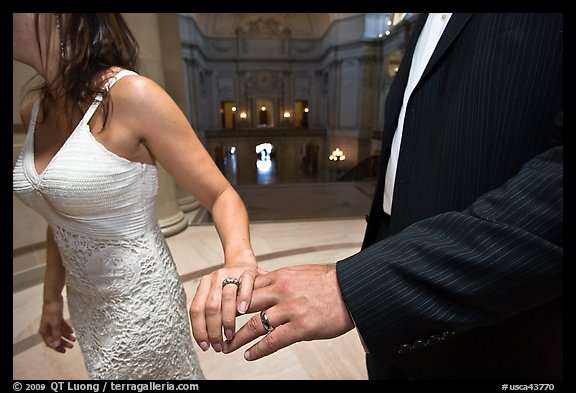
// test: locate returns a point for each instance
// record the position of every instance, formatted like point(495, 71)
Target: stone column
point(160, 60)
point(175, 78)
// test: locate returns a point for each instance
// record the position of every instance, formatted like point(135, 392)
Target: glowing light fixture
point(337, 155)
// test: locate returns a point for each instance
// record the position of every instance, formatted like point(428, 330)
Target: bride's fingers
point(230, 293)
point(213, 311)
point(245, 291)
point(198, 311)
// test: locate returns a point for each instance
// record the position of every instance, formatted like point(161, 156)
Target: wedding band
point(265, 322)
point(230, 280)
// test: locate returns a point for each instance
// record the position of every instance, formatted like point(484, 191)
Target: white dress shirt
point(429, 37)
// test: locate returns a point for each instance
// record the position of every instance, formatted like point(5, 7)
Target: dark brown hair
point(90, 45)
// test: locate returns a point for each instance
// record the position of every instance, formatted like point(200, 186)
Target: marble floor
point(288, 226)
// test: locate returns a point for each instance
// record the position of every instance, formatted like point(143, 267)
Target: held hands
point(55, 331)
point(220, 296)
point(298, 303)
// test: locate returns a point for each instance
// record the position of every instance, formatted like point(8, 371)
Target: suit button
point(404, 348)
point(418, 344)
point(433, 340)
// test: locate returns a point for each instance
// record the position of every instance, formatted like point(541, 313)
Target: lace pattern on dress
point(128, 307)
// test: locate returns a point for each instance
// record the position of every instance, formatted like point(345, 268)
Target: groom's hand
point(297, 303)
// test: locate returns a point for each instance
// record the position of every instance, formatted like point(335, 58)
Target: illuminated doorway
point(266, 170)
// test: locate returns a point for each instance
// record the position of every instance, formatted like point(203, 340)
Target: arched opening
point(265, 112)
point(301, 114)
point(228, 112)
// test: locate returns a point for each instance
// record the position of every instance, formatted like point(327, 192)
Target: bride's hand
point(220, 297)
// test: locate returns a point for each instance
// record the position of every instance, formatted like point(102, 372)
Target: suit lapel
point(453, 28)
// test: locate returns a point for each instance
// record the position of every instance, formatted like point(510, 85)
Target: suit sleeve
point(460, 270)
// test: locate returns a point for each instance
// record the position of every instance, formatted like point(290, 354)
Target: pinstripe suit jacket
point(467, 282)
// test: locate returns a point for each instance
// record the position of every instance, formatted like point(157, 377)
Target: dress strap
point(119, 75)
point(34, 115)
point(109, 83)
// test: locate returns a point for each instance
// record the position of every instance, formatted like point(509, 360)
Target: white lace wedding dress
point(127, 304)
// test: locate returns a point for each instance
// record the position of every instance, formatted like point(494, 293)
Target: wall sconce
point(243, 115)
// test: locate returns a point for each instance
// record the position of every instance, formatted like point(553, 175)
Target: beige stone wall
point(28, 227)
